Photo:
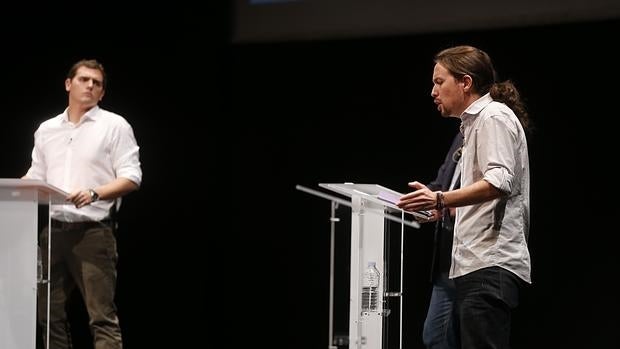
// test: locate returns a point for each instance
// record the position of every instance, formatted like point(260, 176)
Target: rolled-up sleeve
point(126, 155)
point(495, 154)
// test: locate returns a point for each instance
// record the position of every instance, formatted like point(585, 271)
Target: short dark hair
point(88, 63)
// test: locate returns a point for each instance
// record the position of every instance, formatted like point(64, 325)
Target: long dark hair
point(468, 60)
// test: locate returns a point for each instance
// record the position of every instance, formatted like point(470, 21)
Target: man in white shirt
point(92, 154)
point(490, 256)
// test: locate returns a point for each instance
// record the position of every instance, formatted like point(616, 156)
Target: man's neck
point(75, 112)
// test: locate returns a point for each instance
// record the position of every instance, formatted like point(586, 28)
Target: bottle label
point(370, 289)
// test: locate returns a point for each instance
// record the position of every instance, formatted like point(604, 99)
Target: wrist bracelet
point(440, 201)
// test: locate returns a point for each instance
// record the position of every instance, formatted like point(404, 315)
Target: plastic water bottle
point(370, 288)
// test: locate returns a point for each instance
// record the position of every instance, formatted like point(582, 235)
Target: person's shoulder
point(500, 113)
point(112, 117)
point(51, 122)
point(496, 108)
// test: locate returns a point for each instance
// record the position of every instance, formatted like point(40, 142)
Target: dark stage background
point(219, 247)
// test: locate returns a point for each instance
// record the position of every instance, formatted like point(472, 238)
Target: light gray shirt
point(493, 233)
point(98, 149)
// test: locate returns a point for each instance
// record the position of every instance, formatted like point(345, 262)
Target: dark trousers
point(83, 255)
point(485, 299)
point(441, 323)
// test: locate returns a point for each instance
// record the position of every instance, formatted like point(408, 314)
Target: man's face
point(86, 87)
point(447, 92)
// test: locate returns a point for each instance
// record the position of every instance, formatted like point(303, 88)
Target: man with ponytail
point(490, 256)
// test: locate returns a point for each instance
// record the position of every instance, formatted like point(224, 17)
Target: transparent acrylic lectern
point(372, 206)
point(19, 215)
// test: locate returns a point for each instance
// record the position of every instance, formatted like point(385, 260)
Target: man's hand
point(80, 198)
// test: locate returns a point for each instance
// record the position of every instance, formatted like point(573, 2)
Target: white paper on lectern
point(376, 193)
point(394, 197)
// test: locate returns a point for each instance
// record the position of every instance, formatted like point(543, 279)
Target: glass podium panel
point(374, 227)
point(22, 204)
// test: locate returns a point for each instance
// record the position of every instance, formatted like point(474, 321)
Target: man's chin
point(88, 102)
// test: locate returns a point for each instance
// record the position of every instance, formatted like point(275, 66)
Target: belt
point(80, 225)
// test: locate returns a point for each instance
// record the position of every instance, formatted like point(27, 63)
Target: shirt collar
point(90, 114)
point(474, 109)
point(478, 105)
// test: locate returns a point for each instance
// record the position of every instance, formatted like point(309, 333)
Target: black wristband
point(440, 201)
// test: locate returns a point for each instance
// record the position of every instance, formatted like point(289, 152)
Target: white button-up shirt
point(98, 149)
point(493, 233)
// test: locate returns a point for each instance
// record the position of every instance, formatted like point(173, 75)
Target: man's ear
point(467, 83)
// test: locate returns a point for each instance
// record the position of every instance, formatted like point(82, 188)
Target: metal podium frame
point(19, 215)
point(368, 215)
